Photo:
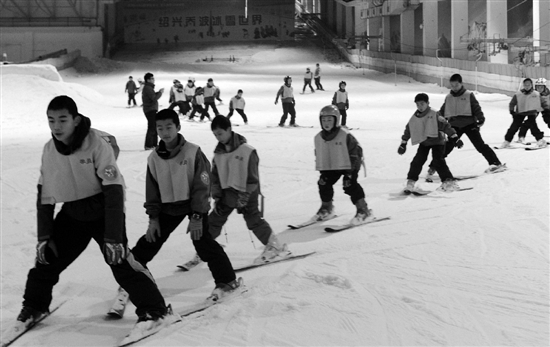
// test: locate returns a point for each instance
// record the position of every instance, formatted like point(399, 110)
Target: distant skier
point(177, 98)
point(210, 94)
point(308, 76)
point(237, 103)
point(317, 77)
point(540, 86)
point(132, 90)
point(197, 103)
point(340, 100)
point(189, 91)
point(286, 92)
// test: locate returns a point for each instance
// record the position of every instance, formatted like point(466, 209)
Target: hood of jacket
point(234, 142)
point(80, 133)
point(166, 154)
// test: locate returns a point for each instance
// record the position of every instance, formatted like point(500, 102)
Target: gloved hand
point(347, 180)
point(195, 226)
point(347, 107)
point(402, 148)
point(41, 249)
point(153, 230)
point(276, 101)
point(217, 207)
point(459, 143)
point(114, 253)
point(242, 201)
point(480, 123)
point(513, 113)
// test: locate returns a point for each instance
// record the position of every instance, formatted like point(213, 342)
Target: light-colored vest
point(77, 176)
point(341, 97)
point(233, 167)
point(175, 175)
point(178, 96)
point(458, 105)
point(189, 92)
point(288, 92)
point(333, 154)
point(308, 75)
point(238, 103)
point(424, 127)
point(209, 91)
point(528, 102)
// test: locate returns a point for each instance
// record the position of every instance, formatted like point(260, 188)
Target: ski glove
point(402, 148)
point(195, 226)
point(459, 143)
point(41, 250)
point(153, 230)
point(114, 253)
point(480, 123)
point(347, 180)
point(242, 201)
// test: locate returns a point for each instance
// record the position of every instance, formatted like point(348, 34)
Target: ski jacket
point(150, 98)
point(462, 109)
point(177, 181)
point(84, 176)
point(340, 99)
point(131, 87)
point(528, 103)
point(237, 103)
point(317, 72)
point(234, 170)
point(337, 149)
point(427, 129)
point(286, 93)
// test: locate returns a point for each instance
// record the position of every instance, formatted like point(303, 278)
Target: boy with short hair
point(177, 98)
point(79, 169)
point(286, 92)
point(132, 90)
point(178, 185)
point(340, 99)
point(197, 102)
point(337, 154)
point(426, 128)
point(308, 76)
point(210, 94)
point(540, 86)
point(237, 103)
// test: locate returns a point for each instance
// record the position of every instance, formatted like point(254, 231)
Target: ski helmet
point(176, 81)
point(191, 79)
point(330, 110)
point(286, 79)
point(540, 82)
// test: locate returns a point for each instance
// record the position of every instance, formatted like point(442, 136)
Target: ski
point(426, 192)
point(291, 257)
point(458, 178)
point(349, 226)
point(119, 305)
point(534, 148)
point(511, 147)
point(15, 332)
point(137, 334)
point(190, 264)
point(290, 127)
point(308, 223)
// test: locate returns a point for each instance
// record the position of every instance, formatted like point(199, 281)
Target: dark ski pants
point(344, 115)
point(182, 105)
point(239, 111)
point(438, 162)
point(151, 135)
point(253, 218)
point(71, 238)
point(518, 124)
point(207, 248)
point(288, 108)
point(472, 131)
point(307, 82)
point(132, 97)
point(329, 178)
point(196, 108)
point(207, 105)
point(318, 84)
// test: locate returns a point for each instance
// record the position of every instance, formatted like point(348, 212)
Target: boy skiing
point(189, 91)
point(237, 103)
point(211, 92)
point(79, 169)
point(286, 92)
point(308, 76)
point(177, 98)
point(236, 185)
point(340, 99)
point(337, 154)
point(540, 86)
point(426, 128)
point(197, 101)
point(132, 90)
point(317, 77)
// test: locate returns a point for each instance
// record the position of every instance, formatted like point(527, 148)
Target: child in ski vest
point(337, 154)
point(340, 99)
point(197, 102)
point(286, 92)
point(308, 76)
point(426, 129)
point(177, 97)
point(237, 103)
point(540, 86)
point(210, 94)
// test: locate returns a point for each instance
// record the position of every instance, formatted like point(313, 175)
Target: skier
point(527, 103)
point(426, 128)
point(177, 97)
point(317, 77)
point(540, 86)
point(197, 102)
point(174, 191)
point(79, 169)
point(236, 185)
point(132, 90)
point(337, 154)
point(189, 91)
point(308, 76)
point(340, 99)
point(463, 112)
point(286, 92)
point(237, 103)
point(210, 94)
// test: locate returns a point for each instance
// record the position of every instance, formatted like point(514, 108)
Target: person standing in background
point(317, 77)
point(132, 90)
point(150, 107)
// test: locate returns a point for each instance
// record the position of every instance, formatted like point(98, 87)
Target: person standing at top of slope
point(132, 90)
point(79, 169)
point(337, 154)
point(150, 107)
point(286, 92)
point(340, 100)
point(317, 77)
point(308, 76)
point(210, 94)
point(464, 113)
point(427, 129)
point(236, 185)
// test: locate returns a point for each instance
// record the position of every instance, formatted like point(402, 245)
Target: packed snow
point(467, 268)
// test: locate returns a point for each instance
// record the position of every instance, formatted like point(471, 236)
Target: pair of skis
point(342, 227)
point(420, 192)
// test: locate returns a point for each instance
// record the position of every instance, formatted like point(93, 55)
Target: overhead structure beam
point(27, 13)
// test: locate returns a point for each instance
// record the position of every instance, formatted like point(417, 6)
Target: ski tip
point(182, 268)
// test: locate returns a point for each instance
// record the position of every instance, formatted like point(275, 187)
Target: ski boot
point(521, 140)
point(326, 211)
point(29, 317)
point(494, 168)
point(542, 143)
point(430, 175)
point(409, 187)
point(449, 186)
point(363, 213)
point(273, 251)
point(148, 324)
point(224, 289)
point(505, 144)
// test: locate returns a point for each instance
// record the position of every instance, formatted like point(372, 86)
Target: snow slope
point(463, 269)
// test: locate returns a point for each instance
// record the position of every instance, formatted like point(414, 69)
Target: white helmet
point(191, 79)
point(540, 82)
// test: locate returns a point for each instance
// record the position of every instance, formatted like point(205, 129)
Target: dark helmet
point(342, 82)
point(176, 81)
point(330, 110)
point(286, 79)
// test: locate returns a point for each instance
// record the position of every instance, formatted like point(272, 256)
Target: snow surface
point(462, 269)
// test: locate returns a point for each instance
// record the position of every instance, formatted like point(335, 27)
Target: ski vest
point(189, 92)
point(175, 175)
point(423, 127)
point(333, 154)
point(288, 92)
point(237, 103)
point(340, 99)
point(82, 174)
point(308, 75)
point(233, 167)
point(178, 95)
point(528, 102)
point(209, 92)
point(199, 99)
point(458, 105)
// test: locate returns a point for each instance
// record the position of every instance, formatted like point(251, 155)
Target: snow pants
point(239, 111)
point(318, 84)
point(207, 248)
point(71, 237)
point(344, 114)
point(252, 216)
point(196, 108)
point(207, 105)
point(329, 178)
point(132, 97)
point(182, 105)
point(307, 82)
point(519, 124)
point(288, 107)
point(151, 135)
point(438, 162)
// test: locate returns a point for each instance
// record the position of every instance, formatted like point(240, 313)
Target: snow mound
point(48, 72)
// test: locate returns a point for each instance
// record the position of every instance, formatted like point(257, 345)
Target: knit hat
point(421, 97)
